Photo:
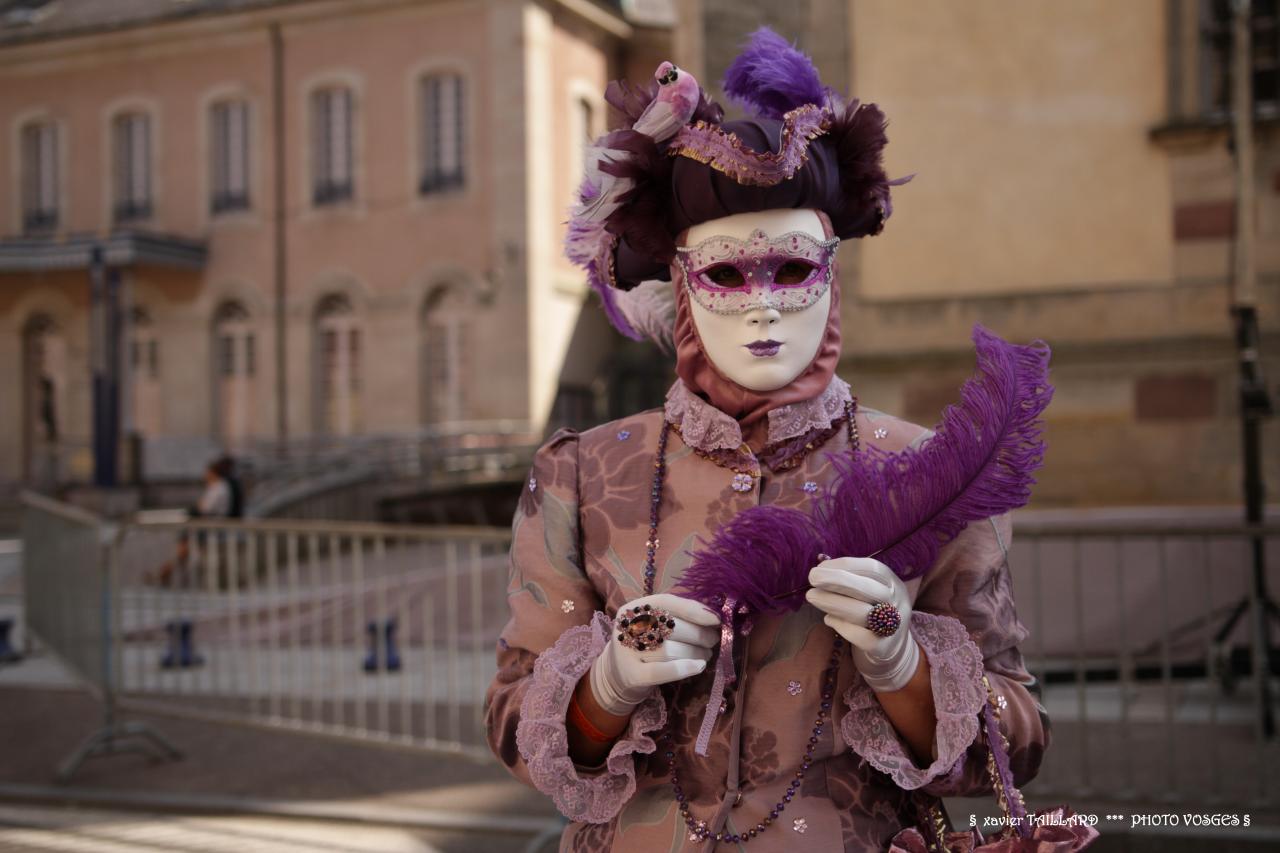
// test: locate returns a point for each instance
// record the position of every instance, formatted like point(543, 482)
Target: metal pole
point(1255, 402)
point(281, 237)
point(104, 350)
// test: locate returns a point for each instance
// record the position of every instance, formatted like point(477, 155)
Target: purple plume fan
point(772, 77)
point(903, 507)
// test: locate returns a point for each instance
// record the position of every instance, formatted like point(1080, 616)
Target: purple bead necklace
point(699, 830)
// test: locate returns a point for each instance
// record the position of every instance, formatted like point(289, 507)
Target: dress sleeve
point(556, 630)
point(966, 624)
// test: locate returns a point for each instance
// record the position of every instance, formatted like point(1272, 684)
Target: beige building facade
point(1074, 184)
point(353, 209)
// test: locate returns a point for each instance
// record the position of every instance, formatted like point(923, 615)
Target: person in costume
point(843, 720)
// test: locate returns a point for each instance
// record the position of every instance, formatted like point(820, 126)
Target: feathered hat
point(675, 163)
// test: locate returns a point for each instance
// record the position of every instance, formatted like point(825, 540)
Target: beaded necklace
point(699, 830)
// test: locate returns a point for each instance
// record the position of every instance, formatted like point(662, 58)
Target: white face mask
point(770, 325)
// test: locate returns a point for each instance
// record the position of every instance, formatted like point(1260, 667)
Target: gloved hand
point(622, 677)
point(845, 588)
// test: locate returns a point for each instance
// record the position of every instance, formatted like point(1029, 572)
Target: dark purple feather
point(753, 558)
point(903, 507)
point(772, 77)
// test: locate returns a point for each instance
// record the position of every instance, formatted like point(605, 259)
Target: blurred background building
point(325, 221)
point(325, 236)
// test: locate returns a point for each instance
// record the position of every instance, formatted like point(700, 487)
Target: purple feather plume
point(589, 245)
point(772, 77)
point(903, 507)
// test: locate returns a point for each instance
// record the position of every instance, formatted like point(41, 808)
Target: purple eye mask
point(726, 275)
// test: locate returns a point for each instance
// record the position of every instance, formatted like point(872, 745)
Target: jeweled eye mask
point(729, 276)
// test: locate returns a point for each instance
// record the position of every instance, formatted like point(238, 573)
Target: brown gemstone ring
point(644, 627)
point(884, 619)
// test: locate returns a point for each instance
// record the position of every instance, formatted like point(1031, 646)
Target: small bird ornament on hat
point(601, 192)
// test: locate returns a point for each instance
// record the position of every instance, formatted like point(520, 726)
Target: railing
point(282, 475)
point(372, 632)
point(1145, 639)
point(1152, 689)
point(448, 453)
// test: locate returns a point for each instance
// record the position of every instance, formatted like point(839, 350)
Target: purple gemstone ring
point(644, 627)
point(884, 619)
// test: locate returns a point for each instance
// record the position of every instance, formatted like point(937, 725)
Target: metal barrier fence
point(67, 600)
point(1146, 640)
point(384, 634)
point(375, 632)
point(378, 633)
point(71, 604)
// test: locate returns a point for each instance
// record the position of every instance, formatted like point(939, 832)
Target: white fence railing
point(374, 632)
point(1146, 640)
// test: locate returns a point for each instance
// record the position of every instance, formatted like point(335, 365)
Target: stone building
point(332, 218)
point(317, 218)
point(1073, 183)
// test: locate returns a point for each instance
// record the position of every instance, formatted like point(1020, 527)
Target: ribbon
point(724, 677)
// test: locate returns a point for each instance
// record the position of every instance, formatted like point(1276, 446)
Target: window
point(443, 161)
point(338, 366)
point(233, 350)
point(1200, 59)
point(39, 177)
point(132, 138)
point(446, 338)
point(582, 130)
point(44, 374)
point(144, 373)
point(331, 144)
point(229, 145)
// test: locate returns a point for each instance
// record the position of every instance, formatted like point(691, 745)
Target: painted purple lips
point(763, 349)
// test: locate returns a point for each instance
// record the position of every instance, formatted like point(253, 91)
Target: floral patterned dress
point(578, 555)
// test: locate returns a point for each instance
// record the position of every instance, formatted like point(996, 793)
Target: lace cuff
point(955, 674)
point(543, 740)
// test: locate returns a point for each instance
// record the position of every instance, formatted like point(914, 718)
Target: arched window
point(131, 138)
point(40, 179)
point(443, 143)
point(144, 373)
point(332, 141)
point(44, 372)
point(229, 155)
point(582, 123)
point(338, 366)
point(446, 357)
point(234, 371)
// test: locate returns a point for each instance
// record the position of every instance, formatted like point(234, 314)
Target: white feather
point(650, 308)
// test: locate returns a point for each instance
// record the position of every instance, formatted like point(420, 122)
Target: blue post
point(188, 656)
point(170, 658)
point(8, 654)
point(393, 654)
point(371, 657)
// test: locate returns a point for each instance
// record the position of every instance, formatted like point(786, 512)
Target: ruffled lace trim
point(955, 674)
point(543, 740)
point(707, 428)
point(817, 413)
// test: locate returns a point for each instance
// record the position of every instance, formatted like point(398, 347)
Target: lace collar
point(707, 428)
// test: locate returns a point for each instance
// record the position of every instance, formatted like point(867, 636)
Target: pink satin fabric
point(751, 408)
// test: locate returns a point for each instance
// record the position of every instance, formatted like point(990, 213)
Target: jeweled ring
point(643, 627)
point(884, 619)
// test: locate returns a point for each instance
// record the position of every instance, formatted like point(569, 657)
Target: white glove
point(845, 588)
point(622, 677)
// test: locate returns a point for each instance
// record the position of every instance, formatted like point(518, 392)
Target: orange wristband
point(582, 724)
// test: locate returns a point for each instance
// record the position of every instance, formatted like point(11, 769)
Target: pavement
point(247, 789)
point(281, 789)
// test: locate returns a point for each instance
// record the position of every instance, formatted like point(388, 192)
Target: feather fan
point(903, 507)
